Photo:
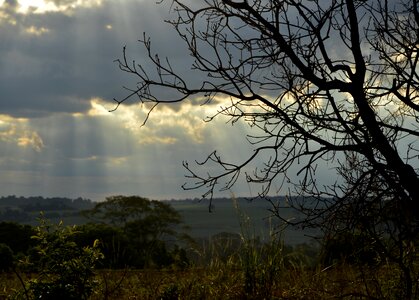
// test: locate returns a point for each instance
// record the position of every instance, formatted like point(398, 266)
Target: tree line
point(132, 231)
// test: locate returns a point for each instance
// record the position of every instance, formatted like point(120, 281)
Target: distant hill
point(227, 215)
point(26, 209)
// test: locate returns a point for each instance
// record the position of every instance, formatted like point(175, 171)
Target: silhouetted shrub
point(352, 248)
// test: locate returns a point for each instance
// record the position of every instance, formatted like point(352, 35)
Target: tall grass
point(261, 257)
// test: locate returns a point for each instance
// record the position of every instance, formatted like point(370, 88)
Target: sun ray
point(44, 6)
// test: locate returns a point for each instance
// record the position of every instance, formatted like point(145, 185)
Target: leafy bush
point(65, 270)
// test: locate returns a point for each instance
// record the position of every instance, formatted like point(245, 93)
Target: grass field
point(227, 282)
point(226, 216)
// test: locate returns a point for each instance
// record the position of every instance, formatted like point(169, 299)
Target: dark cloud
point(56, 62)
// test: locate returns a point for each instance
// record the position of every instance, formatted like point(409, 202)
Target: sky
point(58, 77)
point(59, 135)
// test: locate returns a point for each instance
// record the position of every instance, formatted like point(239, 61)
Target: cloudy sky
point(57, 81)
point(58, 77)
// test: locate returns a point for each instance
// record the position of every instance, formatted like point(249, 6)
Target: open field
point(226, 216)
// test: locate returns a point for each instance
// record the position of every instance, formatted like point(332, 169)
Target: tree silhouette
point(320, 82)
point(146, 225)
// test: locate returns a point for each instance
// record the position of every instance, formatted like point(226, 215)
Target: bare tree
point(319, 81)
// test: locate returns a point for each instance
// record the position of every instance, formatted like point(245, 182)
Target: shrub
point(65, 270)
point(352, 248)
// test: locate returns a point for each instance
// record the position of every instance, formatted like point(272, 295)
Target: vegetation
point(229, 266)
point(86, 262)
point(344, 282)
point(63, 269)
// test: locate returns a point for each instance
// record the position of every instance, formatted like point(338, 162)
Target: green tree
point(147, 224)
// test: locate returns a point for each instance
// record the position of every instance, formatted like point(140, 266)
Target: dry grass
point(344, 282)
